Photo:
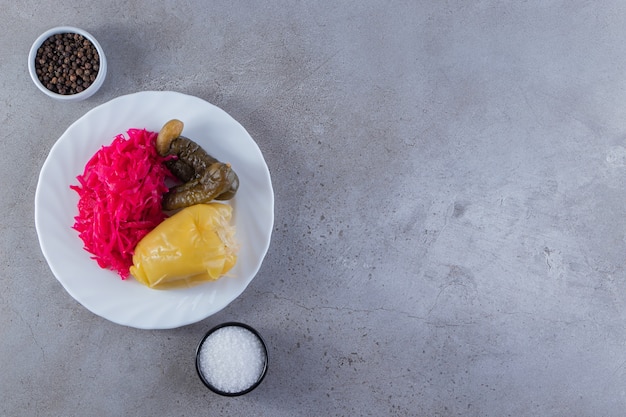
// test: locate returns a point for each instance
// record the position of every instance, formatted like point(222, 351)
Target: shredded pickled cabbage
point(120, 193)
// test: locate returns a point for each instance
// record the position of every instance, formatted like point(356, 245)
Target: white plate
point(127, 302)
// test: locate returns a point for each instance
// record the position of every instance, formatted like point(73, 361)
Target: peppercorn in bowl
point(67, 64)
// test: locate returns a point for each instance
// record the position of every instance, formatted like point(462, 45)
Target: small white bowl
point(89, 91)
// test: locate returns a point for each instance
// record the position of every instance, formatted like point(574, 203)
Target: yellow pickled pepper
point(193, 246)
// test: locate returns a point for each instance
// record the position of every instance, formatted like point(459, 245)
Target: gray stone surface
point(450, 212)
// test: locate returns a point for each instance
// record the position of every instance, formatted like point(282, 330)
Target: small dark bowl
point(207, 383)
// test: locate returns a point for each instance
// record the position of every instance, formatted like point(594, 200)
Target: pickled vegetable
point(194, 246)
point(204, 177)
point(120, 194)
point(213, 182)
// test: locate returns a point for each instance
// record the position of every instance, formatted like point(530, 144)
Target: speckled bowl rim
point(89, 91)
point(213, 330)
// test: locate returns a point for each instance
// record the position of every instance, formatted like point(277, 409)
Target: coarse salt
point(232, 359)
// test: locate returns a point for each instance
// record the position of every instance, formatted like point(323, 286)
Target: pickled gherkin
point(204, 177)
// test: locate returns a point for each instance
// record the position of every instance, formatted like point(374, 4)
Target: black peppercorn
point(65, 58)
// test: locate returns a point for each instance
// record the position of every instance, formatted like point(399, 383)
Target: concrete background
point(449, 235)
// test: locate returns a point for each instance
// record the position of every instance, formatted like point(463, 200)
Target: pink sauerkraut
point(120, 195)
